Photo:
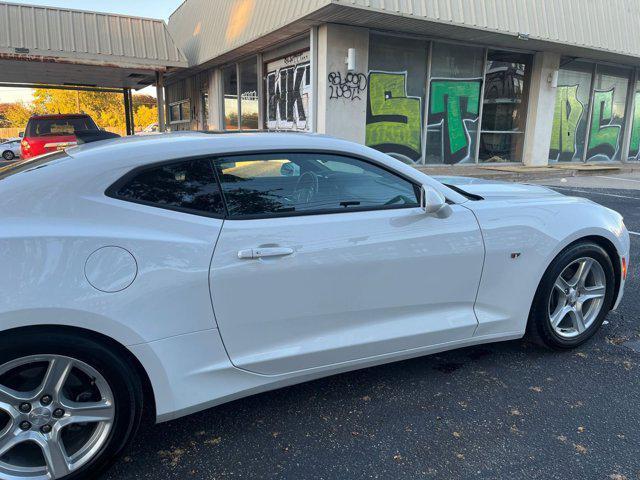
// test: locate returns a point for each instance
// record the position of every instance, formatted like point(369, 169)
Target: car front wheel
point(68, 406)
point(8, 155)
point(573, 298)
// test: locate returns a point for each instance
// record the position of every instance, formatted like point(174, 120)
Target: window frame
point(112, 190)
point(179, 104)
point(329, 211)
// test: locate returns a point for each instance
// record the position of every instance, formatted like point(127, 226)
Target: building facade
point(431, 82)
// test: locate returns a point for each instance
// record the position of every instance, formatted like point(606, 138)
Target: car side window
point(305, 183)
point(189, 185)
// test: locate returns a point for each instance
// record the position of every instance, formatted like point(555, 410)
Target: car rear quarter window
point(188, 186)
point(309, 183)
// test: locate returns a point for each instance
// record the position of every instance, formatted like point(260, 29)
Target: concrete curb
point(519, 173)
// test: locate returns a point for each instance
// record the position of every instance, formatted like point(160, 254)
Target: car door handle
point(265, 252)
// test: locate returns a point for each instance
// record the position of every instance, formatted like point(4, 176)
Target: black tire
point(119, 374)
point(8, 155)
point(539, 329)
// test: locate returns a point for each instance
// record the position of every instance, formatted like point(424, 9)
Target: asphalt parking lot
point(499, 411)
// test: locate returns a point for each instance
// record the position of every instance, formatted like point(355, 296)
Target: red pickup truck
point(48, 133)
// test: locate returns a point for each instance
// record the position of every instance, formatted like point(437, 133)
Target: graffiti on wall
point(568, 113)
point(288, 93)
point(349, 87)
point(394, 119)
point(603, 135)
point(634, 149)
point(454, 109)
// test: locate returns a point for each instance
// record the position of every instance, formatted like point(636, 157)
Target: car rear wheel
point(574, 297)
point(8, 155)
point(68, 406)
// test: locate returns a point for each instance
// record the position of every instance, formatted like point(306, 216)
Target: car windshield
point(30, 164)
point(59, 126)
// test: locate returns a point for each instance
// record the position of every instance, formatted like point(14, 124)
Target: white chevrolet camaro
point(172, 273)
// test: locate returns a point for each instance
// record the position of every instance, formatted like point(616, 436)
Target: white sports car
point(172, 273)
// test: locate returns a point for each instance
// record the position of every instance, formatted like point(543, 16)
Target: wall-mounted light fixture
point(351, 60)
point(523, 36)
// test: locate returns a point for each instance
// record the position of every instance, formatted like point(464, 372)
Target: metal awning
point(59, 46)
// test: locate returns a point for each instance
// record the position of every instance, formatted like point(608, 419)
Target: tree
point(146, 116)
point(17, 114)
point(143, 99)
point(106, 109)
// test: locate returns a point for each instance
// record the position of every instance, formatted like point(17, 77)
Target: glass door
point(504, 112)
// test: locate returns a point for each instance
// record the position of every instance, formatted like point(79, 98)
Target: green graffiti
point(567, 116)
point(453, 103)
point(394, 120)
point(603, 137)
point(634, 147)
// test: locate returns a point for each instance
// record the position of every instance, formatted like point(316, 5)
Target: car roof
point(143, 149)
point(59, 116)
point(103, 162)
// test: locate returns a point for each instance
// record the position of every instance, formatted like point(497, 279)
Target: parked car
point(49, 133)
point(152, 128)
point(317, 255)
point(10, 149)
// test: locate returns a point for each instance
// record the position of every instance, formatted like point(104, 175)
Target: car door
point(326, 259)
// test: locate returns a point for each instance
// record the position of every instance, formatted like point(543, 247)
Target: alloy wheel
point(577, 297)
point(56, 414)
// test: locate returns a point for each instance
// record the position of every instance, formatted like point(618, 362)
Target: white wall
point(341, 117)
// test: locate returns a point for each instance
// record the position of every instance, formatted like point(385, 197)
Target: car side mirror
point(434, 203)
point(21, 134)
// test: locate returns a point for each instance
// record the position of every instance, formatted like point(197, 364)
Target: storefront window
point(505, 107)
point(249, 95)
point(230, 89)
point(578, 135)
point(454, 105)
point(395, 101)
point(571, 118)
point(634, 150)
point(289, 91)
point(608, 117)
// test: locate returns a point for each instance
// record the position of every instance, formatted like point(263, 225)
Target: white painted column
point(542, 104)
point(216, 121)
point(341, 117)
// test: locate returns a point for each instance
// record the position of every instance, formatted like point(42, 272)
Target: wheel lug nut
point(45, 429)
point(46, 400)
point(58, 413)
point(25, 425)
point(25, 407)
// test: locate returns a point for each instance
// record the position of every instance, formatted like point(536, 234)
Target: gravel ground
point(508, 410)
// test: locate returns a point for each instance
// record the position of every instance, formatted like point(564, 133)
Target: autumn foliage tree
point(107, 109)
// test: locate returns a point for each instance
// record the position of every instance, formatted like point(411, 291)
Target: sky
point(141, 8)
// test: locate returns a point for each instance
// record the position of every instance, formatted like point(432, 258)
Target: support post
point(162, 123)
point(540, 113)
point(131, 113)
point(127, 110)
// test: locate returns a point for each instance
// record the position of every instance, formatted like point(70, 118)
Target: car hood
point(492, 189)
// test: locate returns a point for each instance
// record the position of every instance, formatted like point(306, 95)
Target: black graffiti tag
point(284, 93)
point(348, 87)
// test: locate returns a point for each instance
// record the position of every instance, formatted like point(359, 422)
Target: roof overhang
point(58, 46)
point(393, 22)
point(384, 21)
